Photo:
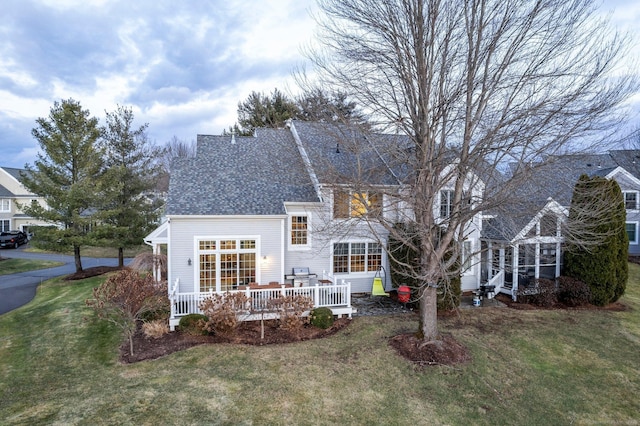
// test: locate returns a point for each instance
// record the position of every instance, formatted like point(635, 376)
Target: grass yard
point(92, 251)
point(58, 365)
point(14, 266)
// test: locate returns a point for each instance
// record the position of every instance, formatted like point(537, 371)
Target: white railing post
point(348, 295)
point(316, 295)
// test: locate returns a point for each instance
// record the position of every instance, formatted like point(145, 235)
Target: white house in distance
point(272, 212)
point(12, 195)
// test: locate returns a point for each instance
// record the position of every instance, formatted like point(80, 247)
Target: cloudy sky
point(182, 66)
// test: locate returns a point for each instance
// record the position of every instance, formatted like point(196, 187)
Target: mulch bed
point(247, 333)
point(91, 272)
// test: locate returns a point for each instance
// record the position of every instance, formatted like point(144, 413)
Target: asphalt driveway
point(19, 289)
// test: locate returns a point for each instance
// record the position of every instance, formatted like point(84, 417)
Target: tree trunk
point(78, 259)
point(120, 257)
point(428, 314)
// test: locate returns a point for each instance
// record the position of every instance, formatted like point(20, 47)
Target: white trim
point(551, 206)
point(195, 259)
point(298, 247)
point(305, 159)
point(8, 210)
point(358, 274)
point(217, 217)
point(626, 174)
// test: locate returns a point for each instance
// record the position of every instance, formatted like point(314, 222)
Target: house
point(522, 243)
point(263, 209)
point(278, 213)
point(13, 194)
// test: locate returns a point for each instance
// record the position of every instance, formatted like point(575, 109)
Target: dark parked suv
point(12, 239)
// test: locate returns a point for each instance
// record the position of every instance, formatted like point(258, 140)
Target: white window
point(348, 204)
point(630, 200)
point(446, 203)
point(299, 231)
point(226, 263)
point(5, 205)
point(467, 256)
point(632, 232)
point(5, 225)
point(356, 257)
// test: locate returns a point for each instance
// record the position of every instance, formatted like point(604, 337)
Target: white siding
point(184, 231)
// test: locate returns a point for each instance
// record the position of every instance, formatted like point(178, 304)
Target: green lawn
point(58, 365)
point(13, 266)
point(91, 251)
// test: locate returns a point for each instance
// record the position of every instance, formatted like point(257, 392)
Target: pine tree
point(127, 207)
point(65, 175)
point(598, 213)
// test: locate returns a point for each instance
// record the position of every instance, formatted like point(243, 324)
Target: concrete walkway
point(19, 289)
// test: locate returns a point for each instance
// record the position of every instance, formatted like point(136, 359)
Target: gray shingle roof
point(5, 193)
point(555, 179)
point(253, 176)
point(341, 154)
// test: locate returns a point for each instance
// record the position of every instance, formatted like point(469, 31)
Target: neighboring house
point(522, 243)
point(12, 195)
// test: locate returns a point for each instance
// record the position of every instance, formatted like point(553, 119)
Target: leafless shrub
point(149, 262)
point(155, 329)
point(124, 298)
point(291, 310)
point(223, 311)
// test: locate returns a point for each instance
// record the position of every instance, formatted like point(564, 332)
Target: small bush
point(321, 317)
point(544, 295)
point(573, 292)
point(223, 310)
point(193, 324)
point(162, 313)
point(291, 309)
point(155, 329)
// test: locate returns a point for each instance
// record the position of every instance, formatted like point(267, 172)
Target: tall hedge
point(401, 254)
point(603, 266)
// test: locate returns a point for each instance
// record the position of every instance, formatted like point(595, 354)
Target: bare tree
point(473, 85)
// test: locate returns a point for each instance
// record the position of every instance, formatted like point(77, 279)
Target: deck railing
point(334, 296)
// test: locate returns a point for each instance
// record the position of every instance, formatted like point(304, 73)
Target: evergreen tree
point(128, 209)
point(65, 175)
point(259, 110)
point(316, 105)
point(598, 214)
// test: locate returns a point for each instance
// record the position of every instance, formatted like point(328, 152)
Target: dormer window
point(348, 204)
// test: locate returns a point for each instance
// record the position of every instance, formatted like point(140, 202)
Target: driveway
point(19, 289)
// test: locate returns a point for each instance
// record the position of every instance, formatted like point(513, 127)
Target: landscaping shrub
point(449, 295)
point(404, 262)
point(222, 311)
point(291, 310)
point(598, 250)
point(573, 292)
point(545, 294)
point(155, 329)
point(125, 297)
point(193, 324)
point(321, 317)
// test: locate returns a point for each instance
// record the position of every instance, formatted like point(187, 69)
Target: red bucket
point(404, 294)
